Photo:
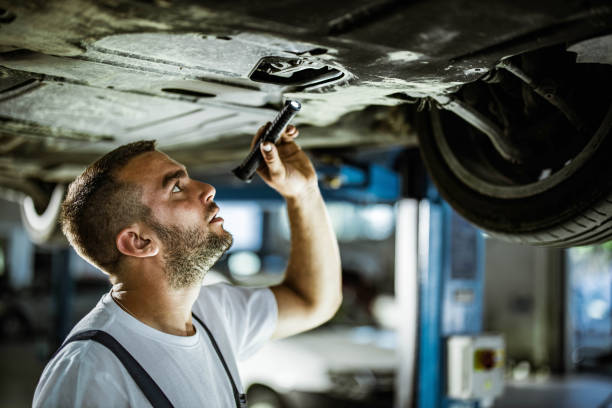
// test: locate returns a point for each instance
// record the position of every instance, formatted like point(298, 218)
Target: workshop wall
point(524, 300)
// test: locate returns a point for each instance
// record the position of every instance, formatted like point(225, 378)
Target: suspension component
point(548, 93)
point(482, 123)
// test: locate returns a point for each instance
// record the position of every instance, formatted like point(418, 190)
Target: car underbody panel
point(79, 77)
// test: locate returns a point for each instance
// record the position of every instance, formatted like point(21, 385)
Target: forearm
point(313, 272)
point(314, 268)
point(311, 291)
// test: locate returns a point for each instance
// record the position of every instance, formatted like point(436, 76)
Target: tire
point(260, 396)
point(574, 210)
point(43, 227)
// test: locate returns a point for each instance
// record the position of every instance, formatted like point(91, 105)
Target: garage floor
point(21, 370)
point(573, 392)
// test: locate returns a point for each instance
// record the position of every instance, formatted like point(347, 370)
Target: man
point(137, 216)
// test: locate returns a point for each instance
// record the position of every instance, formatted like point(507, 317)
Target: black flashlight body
point(251, 163)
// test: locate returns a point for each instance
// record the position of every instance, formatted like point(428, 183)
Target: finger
point(272, 160)
point(290, 133)
point(291, 130)
point(259, 133)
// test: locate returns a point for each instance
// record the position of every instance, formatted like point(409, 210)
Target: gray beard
point(190, 253)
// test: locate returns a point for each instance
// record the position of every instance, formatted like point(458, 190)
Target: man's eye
point(176, 188)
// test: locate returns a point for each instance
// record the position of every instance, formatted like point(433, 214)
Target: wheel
point(43, 226)
point(560, 194)
point(260, 396)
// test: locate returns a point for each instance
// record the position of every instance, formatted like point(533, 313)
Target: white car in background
point(327, 367)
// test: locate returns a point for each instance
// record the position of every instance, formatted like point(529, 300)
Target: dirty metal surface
point(78, 77)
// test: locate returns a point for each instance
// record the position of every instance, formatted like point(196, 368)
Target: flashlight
point(251, 163)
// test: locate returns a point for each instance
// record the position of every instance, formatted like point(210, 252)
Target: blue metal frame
point(451, 296)
point(431, 290)
point(369, 184)
point(366, 185)
point(463, 279)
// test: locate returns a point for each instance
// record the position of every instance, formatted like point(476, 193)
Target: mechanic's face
point(184, 217)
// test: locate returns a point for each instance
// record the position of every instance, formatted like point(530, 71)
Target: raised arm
point(312, 290)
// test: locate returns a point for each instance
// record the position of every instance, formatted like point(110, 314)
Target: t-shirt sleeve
point(250, 316)
point(81, 376)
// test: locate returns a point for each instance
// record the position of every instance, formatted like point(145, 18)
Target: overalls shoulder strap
point(241, 399)
point(149, 387)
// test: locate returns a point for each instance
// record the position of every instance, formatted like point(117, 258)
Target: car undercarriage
point(509, 102)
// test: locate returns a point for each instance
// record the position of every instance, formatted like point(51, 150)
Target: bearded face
point(190, 252)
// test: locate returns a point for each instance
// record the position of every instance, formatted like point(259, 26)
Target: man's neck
point(157, 305)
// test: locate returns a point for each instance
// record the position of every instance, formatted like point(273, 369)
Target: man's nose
point(208, 192)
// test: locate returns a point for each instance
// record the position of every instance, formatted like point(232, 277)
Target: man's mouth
point(215, 218)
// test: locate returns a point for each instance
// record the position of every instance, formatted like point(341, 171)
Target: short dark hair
point(98, 206)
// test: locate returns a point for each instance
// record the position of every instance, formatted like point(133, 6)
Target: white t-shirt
point(187, 369)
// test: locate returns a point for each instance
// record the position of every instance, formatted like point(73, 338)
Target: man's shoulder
point(226, 294)
point(217, 293)
point(246, 315)
point(75, 355)
point(99, 317)
point(81, 369)
point(76, 361)
point(80, 354)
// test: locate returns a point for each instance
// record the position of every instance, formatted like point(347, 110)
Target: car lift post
point(439, 277)
point(451, 275)
point(407, 249)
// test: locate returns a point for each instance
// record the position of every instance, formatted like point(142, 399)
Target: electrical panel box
point(475, 367)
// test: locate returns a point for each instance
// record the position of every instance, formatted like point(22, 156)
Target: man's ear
point(136, 241)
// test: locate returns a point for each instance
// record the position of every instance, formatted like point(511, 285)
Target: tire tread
point(591, 227)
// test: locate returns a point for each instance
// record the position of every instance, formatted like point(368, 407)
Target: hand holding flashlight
point(251, 163)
